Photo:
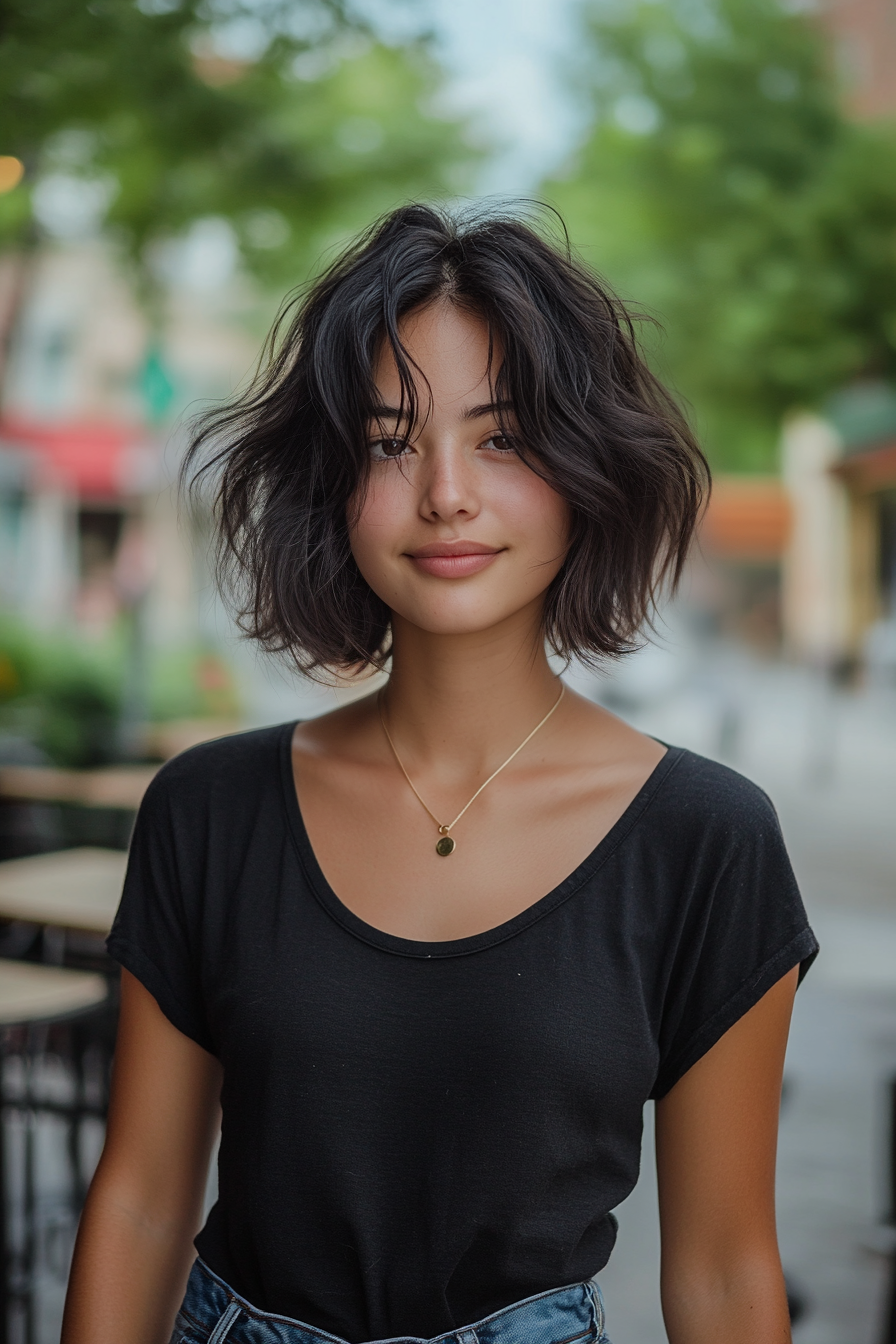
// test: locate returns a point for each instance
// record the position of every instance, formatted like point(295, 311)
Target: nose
point(448, 485)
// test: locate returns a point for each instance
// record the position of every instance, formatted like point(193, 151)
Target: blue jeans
point(212, 1313)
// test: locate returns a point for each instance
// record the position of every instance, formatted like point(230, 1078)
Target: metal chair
point(56, 1037)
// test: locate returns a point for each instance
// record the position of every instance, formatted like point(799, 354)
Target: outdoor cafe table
point(34, 993)
point(114, 786)
point(70, 889)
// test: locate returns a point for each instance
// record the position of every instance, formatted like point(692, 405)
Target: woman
point(432, 1073)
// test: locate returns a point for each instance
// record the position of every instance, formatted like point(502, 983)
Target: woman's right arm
point(134, 1248)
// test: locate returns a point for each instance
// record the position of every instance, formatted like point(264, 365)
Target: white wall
point(815, 574)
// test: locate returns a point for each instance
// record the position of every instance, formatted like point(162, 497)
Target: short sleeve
point(744, 927)
point(155, 934)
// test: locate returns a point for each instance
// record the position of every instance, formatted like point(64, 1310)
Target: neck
point(465, 699)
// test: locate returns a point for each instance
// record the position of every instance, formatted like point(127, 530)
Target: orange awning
point(748, 518)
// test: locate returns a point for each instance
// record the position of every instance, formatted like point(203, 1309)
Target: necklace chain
point(446, 844)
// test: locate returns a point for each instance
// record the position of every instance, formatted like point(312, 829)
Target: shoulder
point(234, 765)
point(716, 838)
point(701, 798)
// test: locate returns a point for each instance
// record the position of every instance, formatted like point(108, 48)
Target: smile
point(454, 560)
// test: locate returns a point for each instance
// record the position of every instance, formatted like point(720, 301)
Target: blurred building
point(89, 445)
point(864, 33)
point(839, 567)
point(745, 536)
point(806, 562)
point(838, 592)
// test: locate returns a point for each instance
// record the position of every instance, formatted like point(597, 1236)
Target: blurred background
point(169, 170)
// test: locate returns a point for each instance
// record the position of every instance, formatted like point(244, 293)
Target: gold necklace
point(446, 843)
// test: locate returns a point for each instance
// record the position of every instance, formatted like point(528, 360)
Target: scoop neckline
point(477, 942)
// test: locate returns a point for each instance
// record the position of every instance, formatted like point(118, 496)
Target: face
point(454, 532)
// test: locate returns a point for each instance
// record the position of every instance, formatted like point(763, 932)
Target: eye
point(499, 443)
point(383, 449)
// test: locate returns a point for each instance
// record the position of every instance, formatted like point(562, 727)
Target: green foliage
point(65, 696)
point(60, 695)
point(191, 683)
point(308, 129)
point(341, 149)
point(722, 187)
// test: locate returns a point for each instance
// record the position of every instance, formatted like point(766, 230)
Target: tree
point(722, 187)
point(285, 118)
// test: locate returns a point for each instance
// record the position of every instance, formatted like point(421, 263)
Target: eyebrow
point(471, 413)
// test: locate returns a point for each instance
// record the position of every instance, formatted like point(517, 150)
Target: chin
point(447, 618)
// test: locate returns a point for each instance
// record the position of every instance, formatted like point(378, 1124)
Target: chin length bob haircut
point(290, 457)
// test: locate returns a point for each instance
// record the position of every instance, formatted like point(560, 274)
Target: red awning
point(91, 460)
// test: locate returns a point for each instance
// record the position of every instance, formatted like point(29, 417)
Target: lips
point(453, 559)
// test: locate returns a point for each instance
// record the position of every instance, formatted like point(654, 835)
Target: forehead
point(448, 349)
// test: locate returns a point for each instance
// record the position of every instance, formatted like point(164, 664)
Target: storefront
point(839, 581)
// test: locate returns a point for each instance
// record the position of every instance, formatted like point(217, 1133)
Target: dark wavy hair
point(288, 455)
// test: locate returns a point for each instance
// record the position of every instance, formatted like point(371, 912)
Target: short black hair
point(590, 417)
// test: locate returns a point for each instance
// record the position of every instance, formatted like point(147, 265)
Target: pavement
point(827, 757)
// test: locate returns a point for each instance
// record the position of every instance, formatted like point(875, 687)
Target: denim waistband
point(212, 1313)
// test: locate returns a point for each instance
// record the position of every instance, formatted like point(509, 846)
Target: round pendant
point(444, 846)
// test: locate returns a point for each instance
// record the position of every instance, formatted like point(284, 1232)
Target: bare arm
point(134, 1251)
point(716, 1139)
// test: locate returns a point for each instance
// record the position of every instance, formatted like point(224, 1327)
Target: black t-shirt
point(418, 1134)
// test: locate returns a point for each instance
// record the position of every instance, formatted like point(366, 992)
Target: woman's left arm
point(716, 1138)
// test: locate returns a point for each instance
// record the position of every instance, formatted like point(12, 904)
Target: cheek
point(542, 516)
point(377, 524)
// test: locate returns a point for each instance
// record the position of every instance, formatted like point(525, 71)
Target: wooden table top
point(120, 786)
point(30, 993)
point(72, 889)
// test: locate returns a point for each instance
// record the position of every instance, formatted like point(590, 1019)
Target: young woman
point(435, 950)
